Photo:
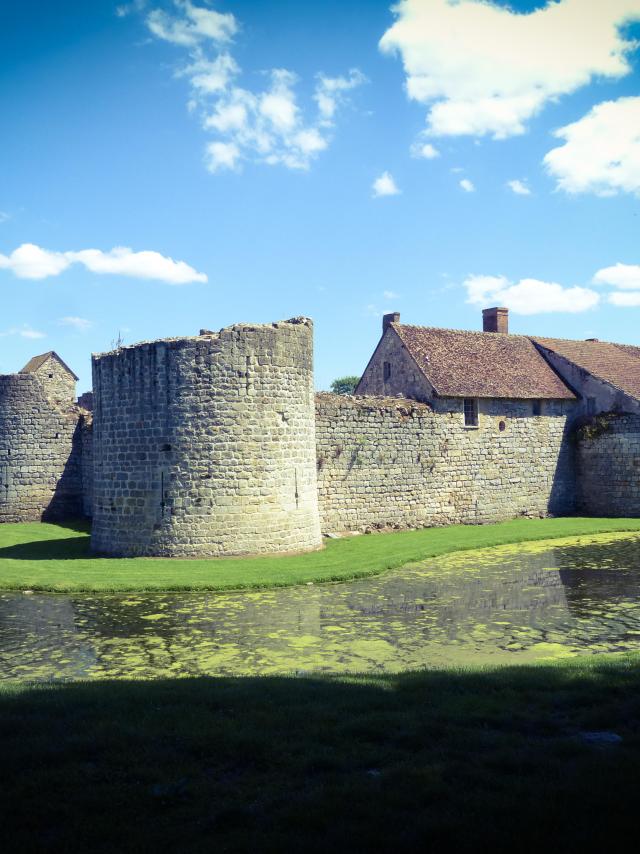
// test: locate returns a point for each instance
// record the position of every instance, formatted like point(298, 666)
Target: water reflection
point(507, 604)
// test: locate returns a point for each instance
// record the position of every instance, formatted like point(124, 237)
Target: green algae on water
point(511, 604)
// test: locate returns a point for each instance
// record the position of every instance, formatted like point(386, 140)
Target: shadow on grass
point(71, 548)
point(459, 761)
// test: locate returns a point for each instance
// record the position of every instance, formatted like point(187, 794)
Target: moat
point(505, 605)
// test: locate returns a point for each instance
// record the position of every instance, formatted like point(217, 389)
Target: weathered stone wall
point(388, 462)
point(59, 385)
point(40, 451)
point(609, 466)
point(405, 378)
point(206, 445)
point(86, 440)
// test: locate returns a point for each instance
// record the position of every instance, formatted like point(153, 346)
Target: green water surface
point(510, 604)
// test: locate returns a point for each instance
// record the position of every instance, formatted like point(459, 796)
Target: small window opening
point(470, 412)
point(502, 426)
point(537, 407)
point(50, 376)
point(387, 371)
point(591, 406)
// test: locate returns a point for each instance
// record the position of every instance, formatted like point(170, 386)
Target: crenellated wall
point(386, 462)
point(40, 453)
point(206, 445)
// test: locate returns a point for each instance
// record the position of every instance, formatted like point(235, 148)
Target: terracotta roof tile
point(617, 364)
point(481, 364)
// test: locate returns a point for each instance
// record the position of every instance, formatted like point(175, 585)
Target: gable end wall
point(406, 380)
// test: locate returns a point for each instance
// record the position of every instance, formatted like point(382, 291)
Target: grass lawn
point(484, 760)
point(40, 556)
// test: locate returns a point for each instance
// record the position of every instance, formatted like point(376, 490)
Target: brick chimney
point(394, 317)
point(495, 320)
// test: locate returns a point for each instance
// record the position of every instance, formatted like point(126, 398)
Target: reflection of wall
point(390, 462)
point(609, 467)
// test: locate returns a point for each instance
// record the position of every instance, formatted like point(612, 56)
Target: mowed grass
point(56, 558)
point(479, 760)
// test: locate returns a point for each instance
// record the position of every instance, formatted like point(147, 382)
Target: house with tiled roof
point(56, 377)
point(471, 371)
point(606, 376)
point(467, 372)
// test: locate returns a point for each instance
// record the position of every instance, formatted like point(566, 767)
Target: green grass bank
point(56, 558)
point(457, 760)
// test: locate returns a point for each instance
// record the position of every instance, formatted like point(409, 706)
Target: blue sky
point(259, 160)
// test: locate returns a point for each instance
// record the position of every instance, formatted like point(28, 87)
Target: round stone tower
point(206, 445)
point(40, 453)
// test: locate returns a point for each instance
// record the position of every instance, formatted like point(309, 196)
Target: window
point(537, 407)
point(386, 370)
point(470, 412)
point(591, 406)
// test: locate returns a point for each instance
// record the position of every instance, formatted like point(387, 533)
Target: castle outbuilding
point(55, 376)
point(216, 444)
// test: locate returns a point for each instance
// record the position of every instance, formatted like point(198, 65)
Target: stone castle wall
point(609, 466)
point(86, 441)
point(388, 462)
point(206, 445)
point(40, 453)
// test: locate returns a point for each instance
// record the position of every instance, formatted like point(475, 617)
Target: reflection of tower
point(40, 631)
point(206, 445)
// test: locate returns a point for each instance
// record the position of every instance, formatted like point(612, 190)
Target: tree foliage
point(345, 385)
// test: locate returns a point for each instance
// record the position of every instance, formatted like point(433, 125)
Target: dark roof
point(481, 364)
point(38, 361)
point(617, 364)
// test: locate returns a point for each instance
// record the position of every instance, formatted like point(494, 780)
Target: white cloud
point(29, 261)
point(329, 93)
point(390, 295)
point(221, 155)
point(266, 126)
point(624, 300)
point(384, 185)
point(81, 324)
point(467, 185)
point(623, 276)
point(147, 264)
point(193, 25)
point(485, 69)
point(420, 148)
point(23, 332)
point(208, 76)
point(601, 151)
point(127, 9)
point(519, 187)
point(528, 296)
point(4, 216)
